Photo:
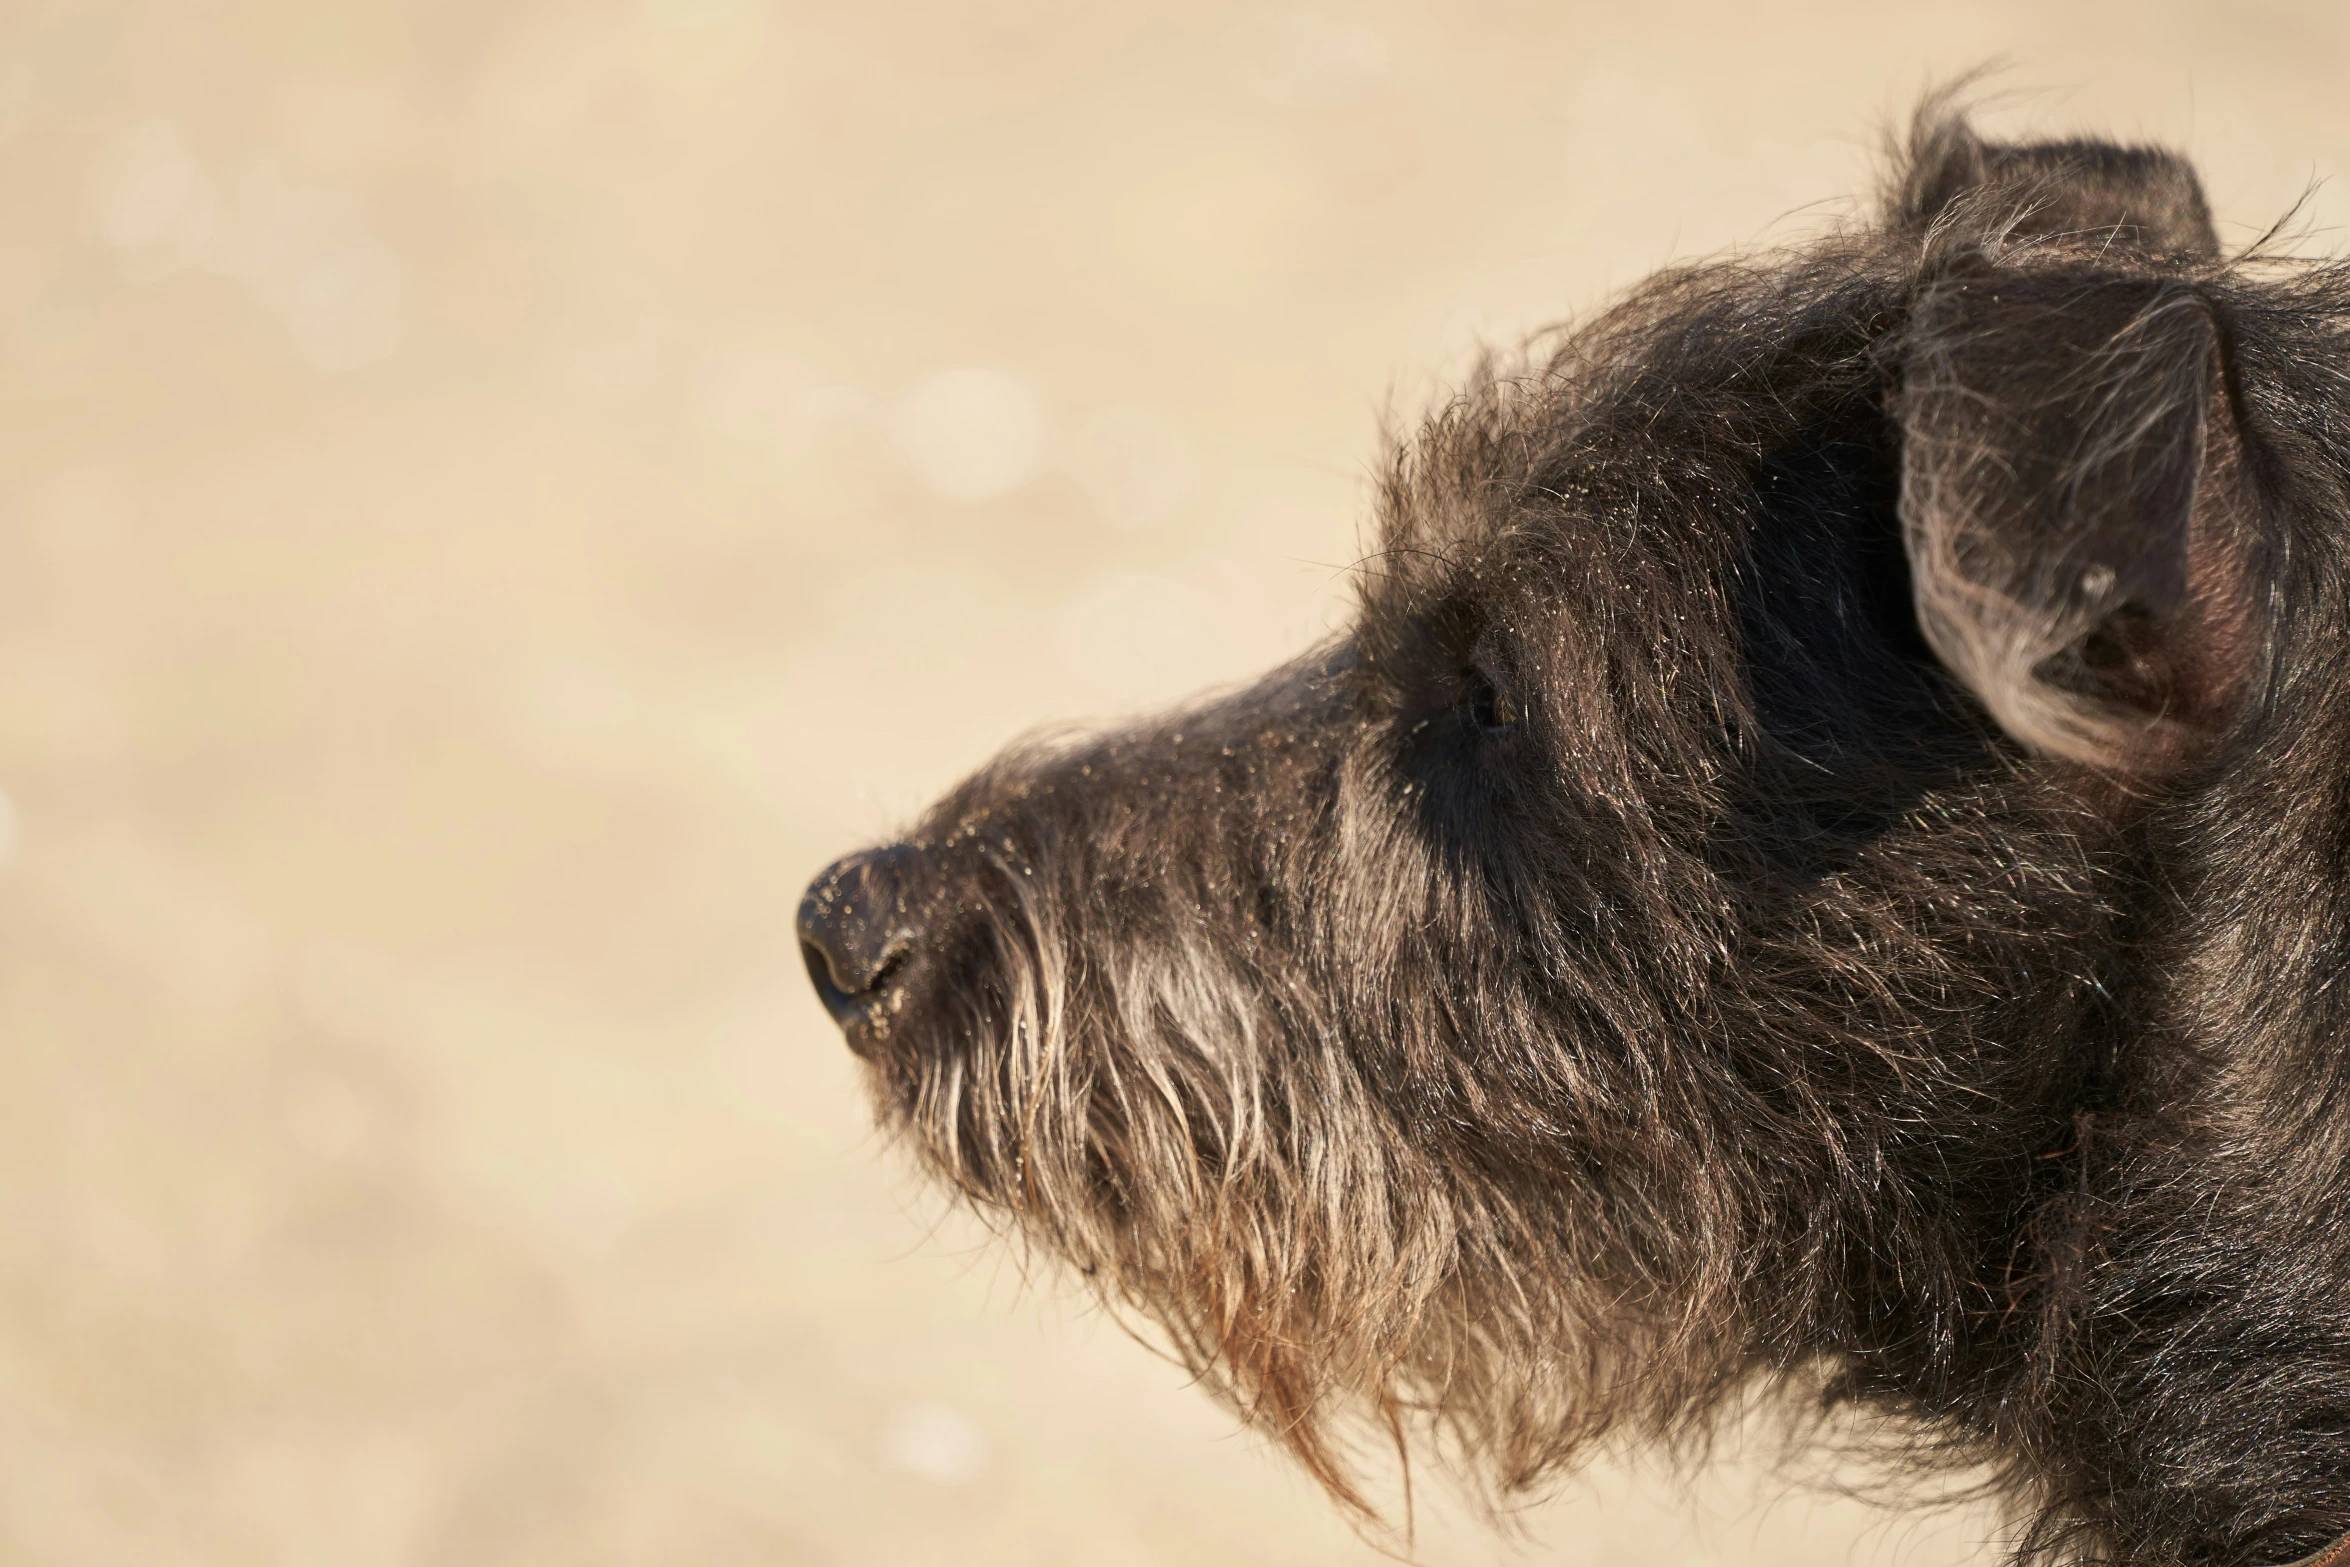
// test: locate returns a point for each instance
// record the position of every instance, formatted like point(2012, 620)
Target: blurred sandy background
point(492, 495)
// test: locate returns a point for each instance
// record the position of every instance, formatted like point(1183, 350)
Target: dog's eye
point(1490, 708)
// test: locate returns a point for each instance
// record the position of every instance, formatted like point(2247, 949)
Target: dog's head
point(1658, 944)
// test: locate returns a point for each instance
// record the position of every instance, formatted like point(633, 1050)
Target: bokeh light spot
point(970, 433)
point(152, 202)
point(936, 1441)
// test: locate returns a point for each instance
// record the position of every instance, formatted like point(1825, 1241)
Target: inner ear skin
point(2227, 561)
point(2186, 670)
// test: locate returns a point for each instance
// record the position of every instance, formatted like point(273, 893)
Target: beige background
point(492, 495)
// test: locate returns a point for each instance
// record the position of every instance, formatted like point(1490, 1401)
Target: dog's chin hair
point(1208, 1168)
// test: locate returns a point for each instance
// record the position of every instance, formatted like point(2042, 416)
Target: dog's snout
point(854, 932)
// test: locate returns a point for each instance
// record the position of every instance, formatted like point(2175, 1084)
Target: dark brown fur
point(1823, 864)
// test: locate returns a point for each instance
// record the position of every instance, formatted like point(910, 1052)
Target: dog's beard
point(1196, 1134)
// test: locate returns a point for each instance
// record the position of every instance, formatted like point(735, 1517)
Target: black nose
point(853, 930)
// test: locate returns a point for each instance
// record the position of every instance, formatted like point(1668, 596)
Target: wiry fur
point(1628, 969)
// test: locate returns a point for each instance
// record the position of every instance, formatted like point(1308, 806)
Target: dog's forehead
point(1598, 456)
point(1466, 499)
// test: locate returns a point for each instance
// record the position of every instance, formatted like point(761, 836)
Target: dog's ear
point(2081, 524)
point(2089, 192)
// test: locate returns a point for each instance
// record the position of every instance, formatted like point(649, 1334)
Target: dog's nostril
point(832, 976)
point(852, 931)
point(892, 960)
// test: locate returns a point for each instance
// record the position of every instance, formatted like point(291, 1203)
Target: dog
point(1820, 871)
